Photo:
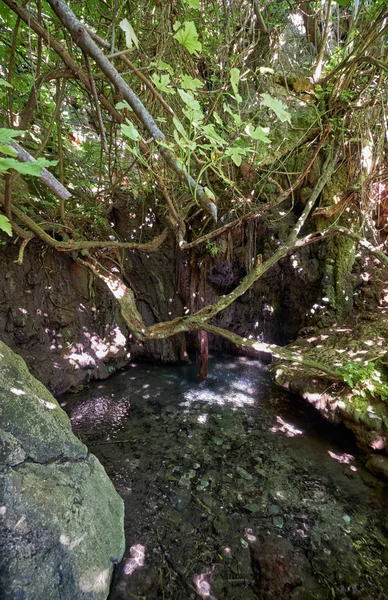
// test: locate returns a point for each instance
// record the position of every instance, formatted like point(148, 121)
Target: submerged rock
point(275, 567)
point(378, 464)
point(61, 520)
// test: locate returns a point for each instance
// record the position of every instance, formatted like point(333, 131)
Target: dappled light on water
point(202, 584)
point(287, 428)
point(344, 459)
point(136, 559)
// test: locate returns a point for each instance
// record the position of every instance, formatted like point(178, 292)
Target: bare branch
point(48, 178)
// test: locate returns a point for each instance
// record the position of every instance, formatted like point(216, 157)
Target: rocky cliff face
point(61, 520)
point(65, 323)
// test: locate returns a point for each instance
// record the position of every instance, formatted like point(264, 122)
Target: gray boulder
point(61, 520)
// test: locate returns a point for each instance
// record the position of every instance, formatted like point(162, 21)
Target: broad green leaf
point(258, 133)
point(8, 150)
point(6, 135)
point(277, 106)
point(212, 135)
point(188, 83)
point(193, 3)
point(189, 99)
point(234, 79)
point(163, 66)
point(130, 36)
point(5, 225)
point(4, 83)
point(194, 116)
point(217, 118)
point(130, 131)
point(235, 116)
point(209, 193)
point(26, 168)
point(236, 154)
point(188, 37)
point(184, 143)
point(123, 104)
point(180, 128)
point(161, 82)
point(193, 112)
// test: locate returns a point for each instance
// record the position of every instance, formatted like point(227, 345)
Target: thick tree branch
point(272, 350)
point(47, 177)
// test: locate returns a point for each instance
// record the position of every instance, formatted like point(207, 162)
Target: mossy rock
point(61, 520)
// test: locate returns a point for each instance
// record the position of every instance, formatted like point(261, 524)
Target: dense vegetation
point(204, 116)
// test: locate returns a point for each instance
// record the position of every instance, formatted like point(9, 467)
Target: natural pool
point(233, 489)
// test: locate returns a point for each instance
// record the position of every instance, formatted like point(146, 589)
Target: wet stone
point(180, 500)
point(278, 522)
point(243, 473)
point(273, 509)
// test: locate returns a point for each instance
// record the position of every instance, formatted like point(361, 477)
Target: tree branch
point(84, 41)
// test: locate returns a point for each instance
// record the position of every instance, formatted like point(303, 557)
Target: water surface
point(233, 489)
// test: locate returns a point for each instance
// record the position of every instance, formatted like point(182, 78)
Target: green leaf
point(236, 117)
point(161, 82)
point(5, 225)
point(188, 37)
point(6, 135)
point(277, 106)
point(258, 133)
point(4, 83)
point(130, 131)
point(26, 168)
point(188, 83)
point(123, 104)
point(163, 66)
point(193, 3)
point(189, 100)
point(217, 119)
point(194, 114)
point(8, 150)
point(130, 36)
point(180, 128)
point(212, 135)
point(209, 193)
point(234, 79)
point(236, 153)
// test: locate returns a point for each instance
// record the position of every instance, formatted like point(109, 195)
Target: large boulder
point(61, 520)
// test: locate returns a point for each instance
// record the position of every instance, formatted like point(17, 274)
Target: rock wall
point(61, 521)
point(66, 324)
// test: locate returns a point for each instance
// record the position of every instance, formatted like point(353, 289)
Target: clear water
point(233, 489)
